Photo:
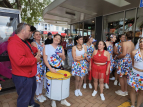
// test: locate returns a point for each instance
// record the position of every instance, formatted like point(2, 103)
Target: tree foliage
point(31, 10)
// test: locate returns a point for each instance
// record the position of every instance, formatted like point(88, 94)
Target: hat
point(70, 38)
point(32, 28)
point(49, 33)
point(94, 40)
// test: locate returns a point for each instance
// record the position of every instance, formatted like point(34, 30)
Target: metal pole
point(83, 29)
point(124, 21)
point(134, 27)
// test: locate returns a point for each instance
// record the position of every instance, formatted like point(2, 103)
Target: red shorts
point(99, 71)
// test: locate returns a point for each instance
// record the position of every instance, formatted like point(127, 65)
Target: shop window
point(89, 28)
point(139, 25)
point(129, 20)
point(45, 26)
point(74, 29)
point(62, 28)
point(57, 28)
point(113, 24)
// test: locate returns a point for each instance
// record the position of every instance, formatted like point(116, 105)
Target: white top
point(138, 61)
point(79, 53)
point(49, 51)
point(53, 55)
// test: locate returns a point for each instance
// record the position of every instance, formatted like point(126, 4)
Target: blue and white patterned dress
point(79, 68)
point(40, 65)
point(110, 50)
point(119, 51)
point(69, 52)
point(90, 50)
point(125, 65)
point(135, 79)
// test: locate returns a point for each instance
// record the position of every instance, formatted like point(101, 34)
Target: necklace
point(100, 52)
point(79, 48)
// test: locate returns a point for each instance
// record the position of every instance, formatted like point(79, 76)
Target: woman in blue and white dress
point(79, 69)
point(40, 67)
point(90, 48)
point(109, 43)
point(118, 51)
point(53, 60)
point(135, 79)
point(69, 46)
point(125, 63)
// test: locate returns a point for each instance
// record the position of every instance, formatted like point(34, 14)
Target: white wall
point(41, 27)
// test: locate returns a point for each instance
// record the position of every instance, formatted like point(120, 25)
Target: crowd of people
point(114, 59)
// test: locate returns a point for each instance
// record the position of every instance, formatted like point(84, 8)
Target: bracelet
point(82, 56)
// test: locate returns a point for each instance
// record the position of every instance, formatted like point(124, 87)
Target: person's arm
point(45, 57)
point(124, 51)
point(34, 44)
point(85, 55)
point(18, 55)
point(108, 63)
point(91, 59)
point(115, 50)
point(132, 56)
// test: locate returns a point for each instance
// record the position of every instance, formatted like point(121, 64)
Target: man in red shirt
point(24, 65)
point(63, 44)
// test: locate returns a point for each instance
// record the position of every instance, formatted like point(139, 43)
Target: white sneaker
point(79, 92)
point(132, 106)
point(126, 92)
point(84, 85)
point(119, 84)
point(115, 82)
point(53, 104)
point(76, 93)
point(90, 86)
point(94, 93)
point(39, 99)
point(64, 102)
point(44, 98)
point(113, 78)
point(102, 97)
point(120, 92)
point(106, 86)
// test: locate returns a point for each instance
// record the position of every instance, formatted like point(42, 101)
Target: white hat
point(70, 38)
point(94, 40)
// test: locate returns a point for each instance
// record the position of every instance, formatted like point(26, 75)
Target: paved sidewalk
point(112, 100)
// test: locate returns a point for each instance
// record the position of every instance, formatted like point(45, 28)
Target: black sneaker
point(35, 105)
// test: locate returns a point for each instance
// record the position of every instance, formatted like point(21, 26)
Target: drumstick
point(62, 74)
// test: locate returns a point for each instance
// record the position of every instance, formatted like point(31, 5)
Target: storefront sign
point(141, 3)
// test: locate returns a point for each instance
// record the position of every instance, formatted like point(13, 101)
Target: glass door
point(8, 24)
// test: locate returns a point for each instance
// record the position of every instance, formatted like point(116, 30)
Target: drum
point(58, 85)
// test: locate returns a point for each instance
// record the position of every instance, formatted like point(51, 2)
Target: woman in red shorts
point(100, 65)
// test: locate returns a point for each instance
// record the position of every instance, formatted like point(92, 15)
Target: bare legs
point(95, 84)
point(101, 82)
point(123, 82)
point(85, 79)
point(133, 96)
point(116, 75)
point(139, 98)
point(78, 82)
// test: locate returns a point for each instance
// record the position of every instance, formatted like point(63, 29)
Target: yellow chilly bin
point(57, 75)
